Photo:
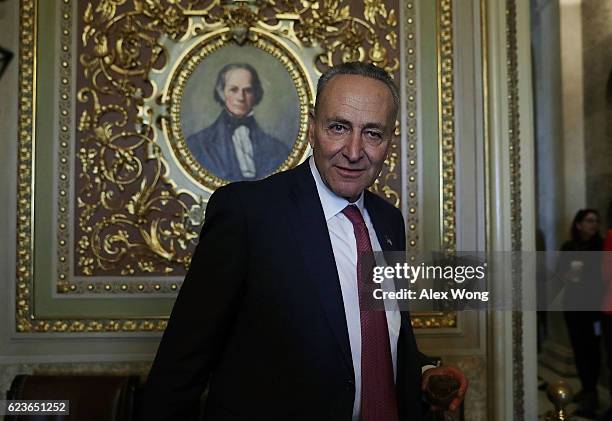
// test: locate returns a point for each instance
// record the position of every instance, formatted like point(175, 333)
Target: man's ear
point(311, 128)
point(392, 126)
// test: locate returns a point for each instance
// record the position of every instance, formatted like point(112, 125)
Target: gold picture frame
point(162, 110)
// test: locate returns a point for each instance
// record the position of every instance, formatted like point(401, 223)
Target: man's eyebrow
point(338, 120)
point(346, 122)
point(375, 126)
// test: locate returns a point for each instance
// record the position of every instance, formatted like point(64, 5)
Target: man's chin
point(351, 194)
point(237, 115)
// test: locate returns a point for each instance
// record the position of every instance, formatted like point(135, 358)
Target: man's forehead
point(351, 83)
point(358, 101)
point(356, 89)
point(353, 93)
point(238, 75)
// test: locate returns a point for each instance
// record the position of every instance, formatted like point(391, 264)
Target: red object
point(378, 399)
point(606, 272)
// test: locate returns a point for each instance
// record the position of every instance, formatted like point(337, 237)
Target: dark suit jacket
point(214, 149)
point(260, 316)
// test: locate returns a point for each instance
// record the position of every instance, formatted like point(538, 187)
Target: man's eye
point(374, 135)
point(338, 128)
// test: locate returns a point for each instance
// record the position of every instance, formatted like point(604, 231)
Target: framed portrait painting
point(240, 114)
point(236, 111)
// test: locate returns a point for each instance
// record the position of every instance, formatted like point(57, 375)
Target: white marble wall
point(548, 115)
point(572, 93)
point(597, 62)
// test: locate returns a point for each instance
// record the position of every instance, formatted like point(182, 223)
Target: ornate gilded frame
point(199, 41)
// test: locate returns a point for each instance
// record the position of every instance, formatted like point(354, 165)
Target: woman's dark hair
point(579, 217)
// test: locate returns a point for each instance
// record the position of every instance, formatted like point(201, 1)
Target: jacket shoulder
point(275, 185)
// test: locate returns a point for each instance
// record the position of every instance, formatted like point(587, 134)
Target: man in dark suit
point(269, 314)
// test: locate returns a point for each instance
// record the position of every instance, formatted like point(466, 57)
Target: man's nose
point(241, 95)
point(353, 148)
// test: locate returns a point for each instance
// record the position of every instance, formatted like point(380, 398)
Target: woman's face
point(589, 226)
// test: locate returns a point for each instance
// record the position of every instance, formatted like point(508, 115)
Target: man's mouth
point(348, 172)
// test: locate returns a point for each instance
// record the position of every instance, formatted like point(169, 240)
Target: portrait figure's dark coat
point(213, 148)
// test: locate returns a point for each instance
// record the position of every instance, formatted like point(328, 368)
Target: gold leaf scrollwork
point(132, 218)
point(373, 10)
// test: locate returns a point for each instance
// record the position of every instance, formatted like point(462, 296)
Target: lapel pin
point(389, 241)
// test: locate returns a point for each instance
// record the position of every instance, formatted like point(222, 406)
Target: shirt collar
point(331, 202)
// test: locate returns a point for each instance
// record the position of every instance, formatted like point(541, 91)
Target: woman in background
point(582, 274)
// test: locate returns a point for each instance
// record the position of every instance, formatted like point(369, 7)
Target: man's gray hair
point(361, 69)
point(220, 85)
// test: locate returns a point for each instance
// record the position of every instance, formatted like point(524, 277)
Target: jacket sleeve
point(202, 314)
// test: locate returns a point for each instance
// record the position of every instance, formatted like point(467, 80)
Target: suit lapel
point(382, 226)
point(315, 245)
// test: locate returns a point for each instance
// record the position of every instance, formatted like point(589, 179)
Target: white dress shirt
point(345, 254)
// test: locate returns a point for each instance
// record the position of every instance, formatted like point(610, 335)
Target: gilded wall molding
point(410, 76)
point(64, 165)
point(514, 152)
point(446, 123)
point(508, 397)
point(436, 320)
point(26, 318)
point(25, 177)
point(446, 132)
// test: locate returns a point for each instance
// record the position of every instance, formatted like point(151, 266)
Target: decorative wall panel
point(111, 191)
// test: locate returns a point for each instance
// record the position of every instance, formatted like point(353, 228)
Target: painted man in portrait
point(234, 147)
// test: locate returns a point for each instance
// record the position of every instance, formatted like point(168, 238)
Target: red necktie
point(378, 399)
